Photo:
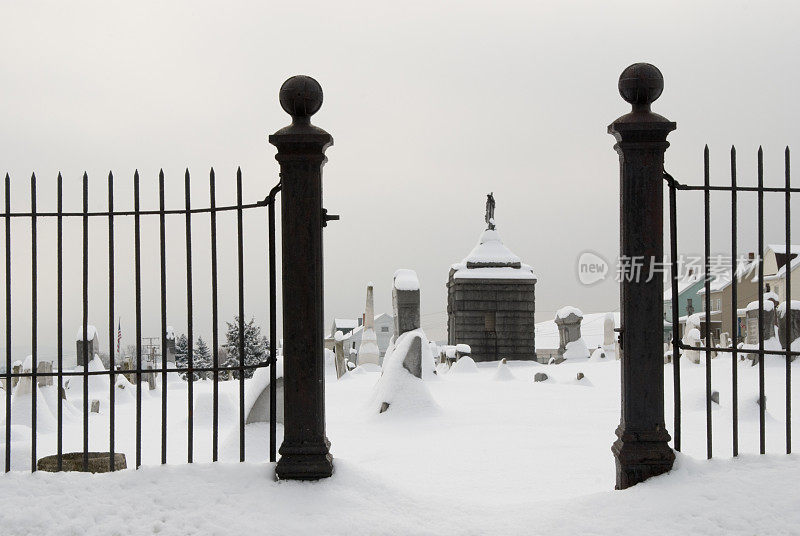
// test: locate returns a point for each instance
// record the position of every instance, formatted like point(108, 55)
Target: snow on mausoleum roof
point(491, 259)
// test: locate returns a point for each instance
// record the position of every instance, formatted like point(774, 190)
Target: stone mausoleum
point(491, 300)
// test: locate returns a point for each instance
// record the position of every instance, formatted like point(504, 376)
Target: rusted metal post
point(305, 452)
point(642, 449)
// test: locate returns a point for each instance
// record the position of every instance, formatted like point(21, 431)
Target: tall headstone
point(88, 347)
point(368, 351)
point(405, 302)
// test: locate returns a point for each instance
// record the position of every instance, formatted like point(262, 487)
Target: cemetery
point(613, 354)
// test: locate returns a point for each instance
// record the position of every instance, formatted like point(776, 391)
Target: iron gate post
point(642, 449)
point(305, 452)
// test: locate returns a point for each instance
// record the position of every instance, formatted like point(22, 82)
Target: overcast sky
point(431, 106)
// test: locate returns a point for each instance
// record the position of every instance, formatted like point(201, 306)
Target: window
point(489, 321)
point(384, 329)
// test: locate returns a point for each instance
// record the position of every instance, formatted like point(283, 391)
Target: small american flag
point(119, 334)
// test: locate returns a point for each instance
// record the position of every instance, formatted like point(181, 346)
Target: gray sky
point(431, 105)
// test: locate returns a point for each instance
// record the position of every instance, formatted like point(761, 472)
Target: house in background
point(353, 328)
point(746, 277)
point(345, 325)
point(777, 258)
point(688, 299)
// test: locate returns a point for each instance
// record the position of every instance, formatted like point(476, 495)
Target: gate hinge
point(328, 217)
point(620, 331)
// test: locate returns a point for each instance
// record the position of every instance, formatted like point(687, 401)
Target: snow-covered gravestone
point(90, 346)
point(691, 338)
point(409, 360)
point(405, 302)
point(44, 367)
point(794, 324)
point(571, 344)
point(170, 351)
point(751, 320)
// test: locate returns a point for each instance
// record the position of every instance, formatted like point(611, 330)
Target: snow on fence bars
point(212, 210)
point(736, 268)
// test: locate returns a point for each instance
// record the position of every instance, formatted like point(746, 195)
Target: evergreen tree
point(255, 347)
point(202, 357)
point(181, 352)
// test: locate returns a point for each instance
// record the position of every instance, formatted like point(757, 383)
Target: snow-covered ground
point(495, 455)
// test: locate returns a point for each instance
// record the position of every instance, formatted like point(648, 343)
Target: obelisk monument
point(368, 351)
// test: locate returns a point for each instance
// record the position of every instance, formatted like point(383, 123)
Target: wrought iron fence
point(60, 374)
point(760, 352)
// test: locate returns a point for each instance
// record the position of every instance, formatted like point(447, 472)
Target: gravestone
point(91, 346)
point(127, 364)
point(44, 367)
point(794, 324)
point(368, 351)
point(170, 350)
point(15, 369)
point(95, 406)
point(568, 320)
point(768, 326)
point(150, 377)
point(99, 462)
point(463, 349)
point(405, 301)
point(692, 339)
point(338, 349)
point(413, 359)
point(609, 336)
point(724, 340)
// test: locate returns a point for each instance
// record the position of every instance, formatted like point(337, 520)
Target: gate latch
point(328, 217)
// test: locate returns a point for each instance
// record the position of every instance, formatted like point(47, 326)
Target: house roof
point(781, 248)
point(683, 285)
point(722, 281)
point(346, 323)
point(781, 273)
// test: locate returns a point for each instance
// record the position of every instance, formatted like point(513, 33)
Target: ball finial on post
point(641, 84)
point(301, 97)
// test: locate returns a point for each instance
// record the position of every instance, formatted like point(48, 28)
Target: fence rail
point(735, 268)
point(60, 374)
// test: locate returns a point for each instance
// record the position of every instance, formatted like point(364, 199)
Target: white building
point(384, 330)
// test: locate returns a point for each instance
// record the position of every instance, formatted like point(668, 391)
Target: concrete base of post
point(304, 461)
point(639, 456)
